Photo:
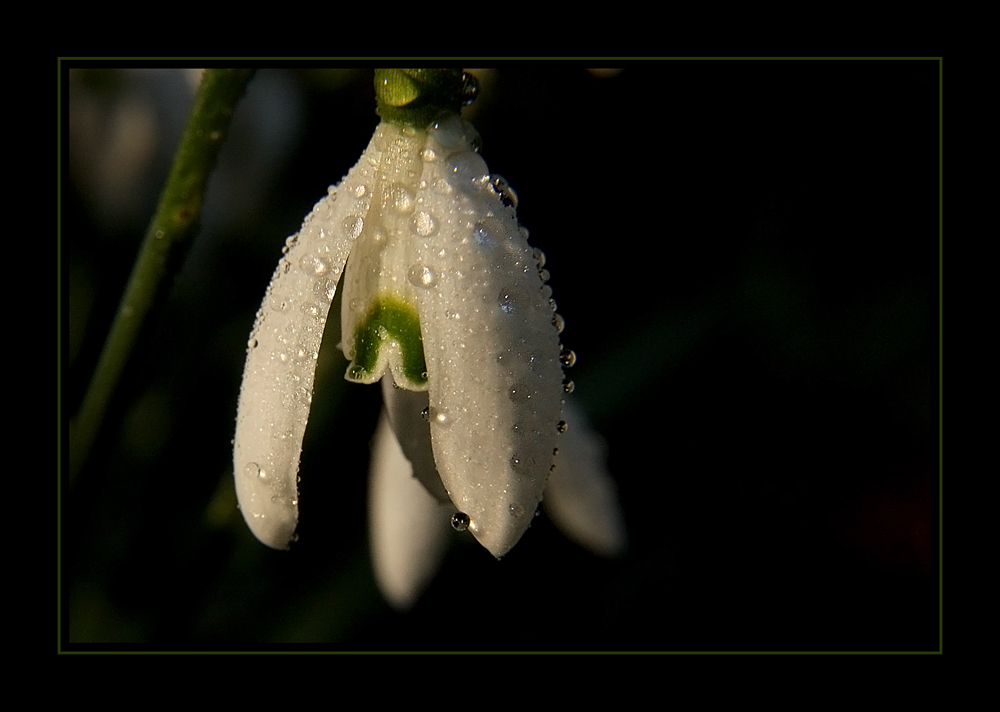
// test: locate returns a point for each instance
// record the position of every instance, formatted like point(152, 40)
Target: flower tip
point(580, 496)
point(270, 505)
point(275, 529)
point(408, 527)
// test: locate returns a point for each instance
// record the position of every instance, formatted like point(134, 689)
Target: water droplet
point(421, 276)
point(325, 289)
point(460, 521)
point(558, 322)
point(519, 393)
point(468, 168)
point(313, 264)
point(507, 302)
point(516, 510)
point(507, 195)
point(537, 254)
point(488, 233)
point(360, 190)
point(252, 343)
point(516, 463)
point(544, 274)
point(402, 198)
point(352, 225)
point(562, 426)
point(252, 469)
point(567, 357)
point(568, 386)
point(449, 133)
point(424, 224)
point(278, 304)
point(429, 155)
point(440, 417)
point(426, 414)
point(470, 88)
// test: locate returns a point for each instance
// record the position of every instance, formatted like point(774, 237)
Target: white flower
point(444, 296)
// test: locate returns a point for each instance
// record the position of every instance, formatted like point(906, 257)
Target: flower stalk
point(166, 242)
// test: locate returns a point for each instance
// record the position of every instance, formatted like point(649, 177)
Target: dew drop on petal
point(502, 187)
point(440, 417)
point(325, 289)
point(488, 233)
point(519, 393)
point(470, 88)
point(538, 255)
point(468, 168)
point(507, 302)
point(352, 225)
point(450, 133)
point(424, 224)
point(402, 198)
point(567, 357)
point(421, 276)
point(278, 304)
point(460, 521)
point(252, 469)
point(313, 264)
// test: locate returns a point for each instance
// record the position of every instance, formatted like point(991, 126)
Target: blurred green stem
point(167, 239)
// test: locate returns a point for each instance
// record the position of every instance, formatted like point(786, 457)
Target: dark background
point(746, 254)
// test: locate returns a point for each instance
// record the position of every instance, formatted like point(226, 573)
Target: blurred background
point(746, 254)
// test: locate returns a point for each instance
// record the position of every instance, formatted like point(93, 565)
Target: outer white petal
point(492, 351)
point(281, 356)
point(409, 528)
point(580, 497)
point(441, 247)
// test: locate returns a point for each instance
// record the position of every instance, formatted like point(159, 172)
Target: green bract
point(415, 97)
point(391, 325)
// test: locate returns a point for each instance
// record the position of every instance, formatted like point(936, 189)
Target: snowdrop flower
point(446, 303)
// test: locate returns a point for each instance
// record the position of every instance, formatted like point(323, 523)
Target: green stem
point(167, 239)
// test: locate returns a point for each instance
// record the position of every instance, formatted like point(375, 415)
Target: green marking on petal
point(393, 320)
point(416, 97)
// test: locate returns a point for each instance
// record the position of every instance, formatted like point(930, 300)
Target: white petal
point(580, 497)
point(409, 528)
point(282, 352)
point(491, 349)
